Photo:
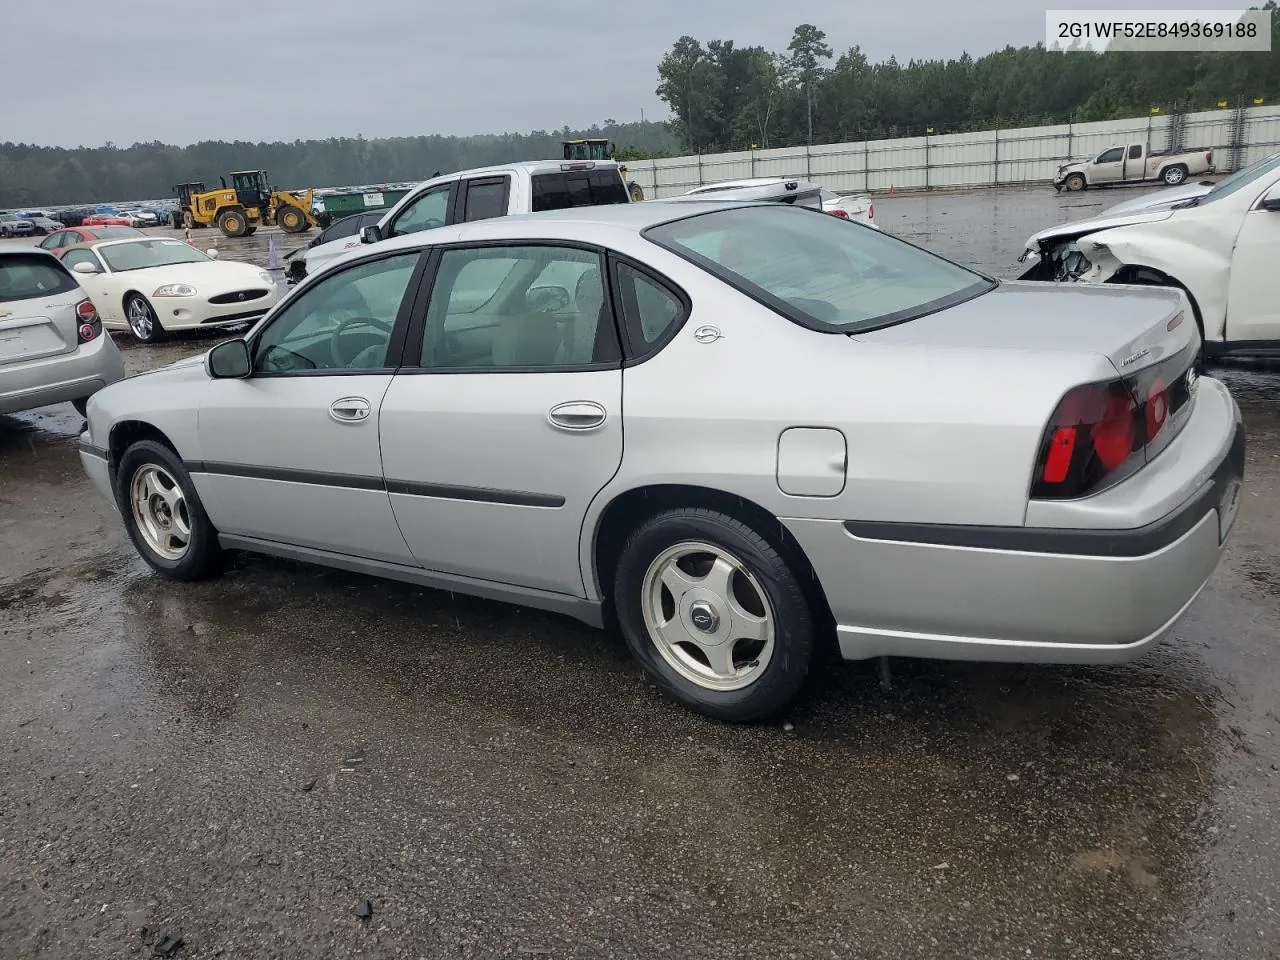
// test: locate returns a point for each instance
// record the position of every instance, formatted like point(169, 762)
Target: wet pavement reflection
point(246, 759)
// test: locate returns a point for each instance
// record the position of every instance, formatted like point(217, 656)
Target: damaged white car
point(1221, 248)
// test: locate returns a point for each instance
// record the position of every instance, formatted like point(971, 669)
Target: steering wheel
point(335, 338)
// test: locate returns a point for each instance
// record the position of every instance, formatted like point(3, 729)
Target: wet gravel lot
point(246, 760)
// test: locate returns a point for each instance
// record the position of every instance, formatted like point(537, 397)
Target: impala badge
point(1146, 351)
point(707, 334)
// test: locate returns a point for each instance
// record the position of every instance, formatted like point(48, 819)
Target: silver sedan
point(734, 430)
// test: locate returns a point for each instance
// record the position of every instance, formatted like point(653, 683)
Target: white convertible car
point(1220, 247)
point(156, 285)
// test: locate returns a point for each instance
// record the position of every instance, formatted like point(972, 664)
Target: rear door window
point(578, 188)
point(31, 276)
point(485, 199)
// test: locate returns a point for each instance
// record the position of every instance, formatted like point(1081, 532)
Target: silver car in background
point(734, 429)
point(52, 348)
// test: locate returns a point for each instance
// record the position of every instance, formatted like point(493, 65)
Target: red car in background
point(107, 220)
point(74, 235)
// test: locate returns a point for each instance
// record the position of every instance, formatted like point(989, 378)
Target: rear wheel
point(714, 614)
point(233, 223)
point(142, 318)
point(163, 513)
point(291, 220)
point(1174, 175)
point(1076, 182)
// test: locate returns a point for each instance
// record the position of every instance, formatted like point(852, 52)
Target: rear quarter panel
point(934, 435)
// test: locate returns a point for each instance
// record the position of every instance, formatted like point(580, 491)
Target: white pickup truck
point(1133, 163)
point(479, 194)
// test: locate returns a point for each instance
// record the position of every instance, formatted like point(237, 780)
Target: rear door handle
point(349, 409)
point(577, 415)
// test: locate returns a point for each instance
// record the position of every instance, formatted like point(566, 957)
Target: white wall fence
point(957, 160)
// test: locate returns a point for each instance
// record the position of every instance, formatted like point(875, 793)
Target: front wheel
point(715, 615)
point(1075, 183)
point(1175, 175)
point(163, 514)
point(291, 220)
point(142, 318)
point(233, 223)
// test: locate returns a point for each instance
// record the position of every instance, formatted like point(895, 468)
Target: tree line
point(726, 97)
point(35, 176)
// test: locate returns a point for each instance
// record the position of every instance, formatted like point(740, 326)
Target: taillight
point(89, 323)
point(837, 212)
point(1101, 433)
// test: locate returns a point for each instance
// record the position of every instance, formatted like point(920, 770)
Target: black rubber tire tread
point(1076, 178)
point(291, 215)
point(794, 633)
point(204, 558)
point(234, 216)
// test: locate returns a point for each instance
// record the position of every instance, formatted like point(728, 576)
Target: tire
point(291, 220)
point(757, 678)
point(175, 221)
point(1174, 175)
point(148, 465)
point(142, 319)
point(250, 230)
point(82, 406)
point(636, 191)
point(1076, 182)
point(233, 223)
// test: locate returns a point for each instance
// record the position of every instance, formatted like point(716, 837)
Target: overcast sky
point(181, 71)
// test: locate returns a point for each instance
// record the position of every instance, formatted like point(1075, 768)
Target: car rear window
point(28, 276)
point(816, 271)
point(578, 188)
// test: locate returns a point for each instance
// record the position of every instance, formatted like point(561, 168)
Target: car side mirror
point(370, 234)
point(229, 360)
point(84, 266)
point(1272, 204)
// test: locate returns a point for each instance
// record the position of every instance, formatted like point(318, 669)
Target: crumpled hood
point(1078, 228)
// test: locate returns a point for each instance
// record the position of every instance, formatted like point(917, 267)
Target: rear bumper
point(60, 378)
point(1036, 594)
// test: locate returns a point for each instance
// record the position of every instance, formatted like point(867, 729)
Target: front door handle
point(349, 409)
point(577, 415)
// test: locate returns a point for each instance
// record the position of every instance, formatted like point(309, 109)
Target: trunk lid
point(1133, 327)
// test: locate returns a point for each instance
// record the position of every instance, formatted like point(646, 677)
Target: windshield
point(1241, 178)
point(816, 271)
point(140, 255)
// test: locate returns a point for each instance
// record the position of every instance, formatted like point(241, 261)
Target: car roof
point(630, 218)
point(518, 166)
point(9, 250)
